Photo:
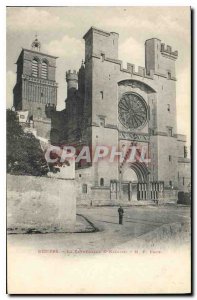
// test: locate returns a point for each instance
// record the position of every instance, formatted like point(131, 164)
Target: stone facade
point(114, 106)
point(93, 118)
point(184, 165)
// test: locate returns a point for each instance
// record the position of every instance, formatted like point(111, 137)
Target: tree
point(24, 154)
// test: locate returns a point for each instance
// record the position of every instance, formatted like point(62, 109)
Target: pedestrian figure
point(121, 212)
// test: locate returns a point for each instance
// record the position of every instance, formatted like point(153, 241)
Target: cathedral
point(109, 105)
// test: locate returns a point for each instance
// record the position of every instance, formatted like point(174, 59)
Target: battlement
point(71, 75)
point(136, 70)
point(167, 50)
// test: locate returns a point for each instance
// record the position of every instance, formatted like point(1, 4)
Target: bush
point(24, 154)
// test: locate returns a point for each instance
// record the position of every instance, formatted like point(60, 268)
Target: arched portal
point(134, 181)
point(129, 175)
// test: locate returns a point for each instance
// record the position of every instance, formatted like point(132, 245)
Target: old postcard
point(98, 150)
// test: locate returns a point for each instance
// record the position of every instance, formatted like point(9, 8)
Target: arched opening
point(101, 181)
point(35, 67)
point(137, 84)
point(44, 71)
point(130, 175)
point(134, 182)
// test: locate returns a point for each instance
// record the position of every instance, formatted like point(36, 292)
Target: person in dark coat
point(120, 212)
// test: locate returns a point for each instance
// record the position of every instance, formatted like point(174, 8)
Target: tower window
point(183, 180)
point(101, 95)
point(170, 183)
point(44, 72)
point(168, 107)
point(102, 182)
point(35, 67)
point(170, 158)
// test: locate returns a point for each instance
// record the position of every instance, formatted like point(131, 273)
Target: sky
point(61, 29)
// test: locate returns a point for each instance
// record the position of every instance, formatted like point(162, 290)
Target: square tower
point(35, 86)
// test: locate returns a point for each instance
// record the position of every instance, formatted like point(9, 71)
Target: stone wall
point(40, 204)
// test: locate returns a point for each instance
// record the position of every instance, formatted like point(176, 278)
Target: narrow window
point(170, 158)
point(101, 182)
point(170, 183)
point(34, 67)
point(44, 72)
point(84, 188)
point(170, 132)
point(169, 75)
point(185, 151)
point(168, 107)
point(102, 122)
point(183, 180)
point(101, 95)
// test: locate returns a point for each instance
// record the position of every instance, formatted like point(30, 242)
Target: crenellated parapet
point(135, 70)
point(71, 75)
point(72, 83)
point(167, 50)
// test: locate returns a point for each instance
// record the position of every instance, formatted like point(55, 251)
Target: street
point(106, 260)
point(137, 222)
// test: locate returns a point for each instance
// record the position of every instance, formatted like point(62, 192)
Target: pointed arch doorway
point(134, 182)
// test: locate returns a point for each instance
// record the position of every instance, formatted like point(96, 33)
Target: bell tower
point(35, 86)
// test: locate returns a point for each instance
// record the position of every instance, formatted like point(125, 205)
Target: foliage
point(24, 154)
